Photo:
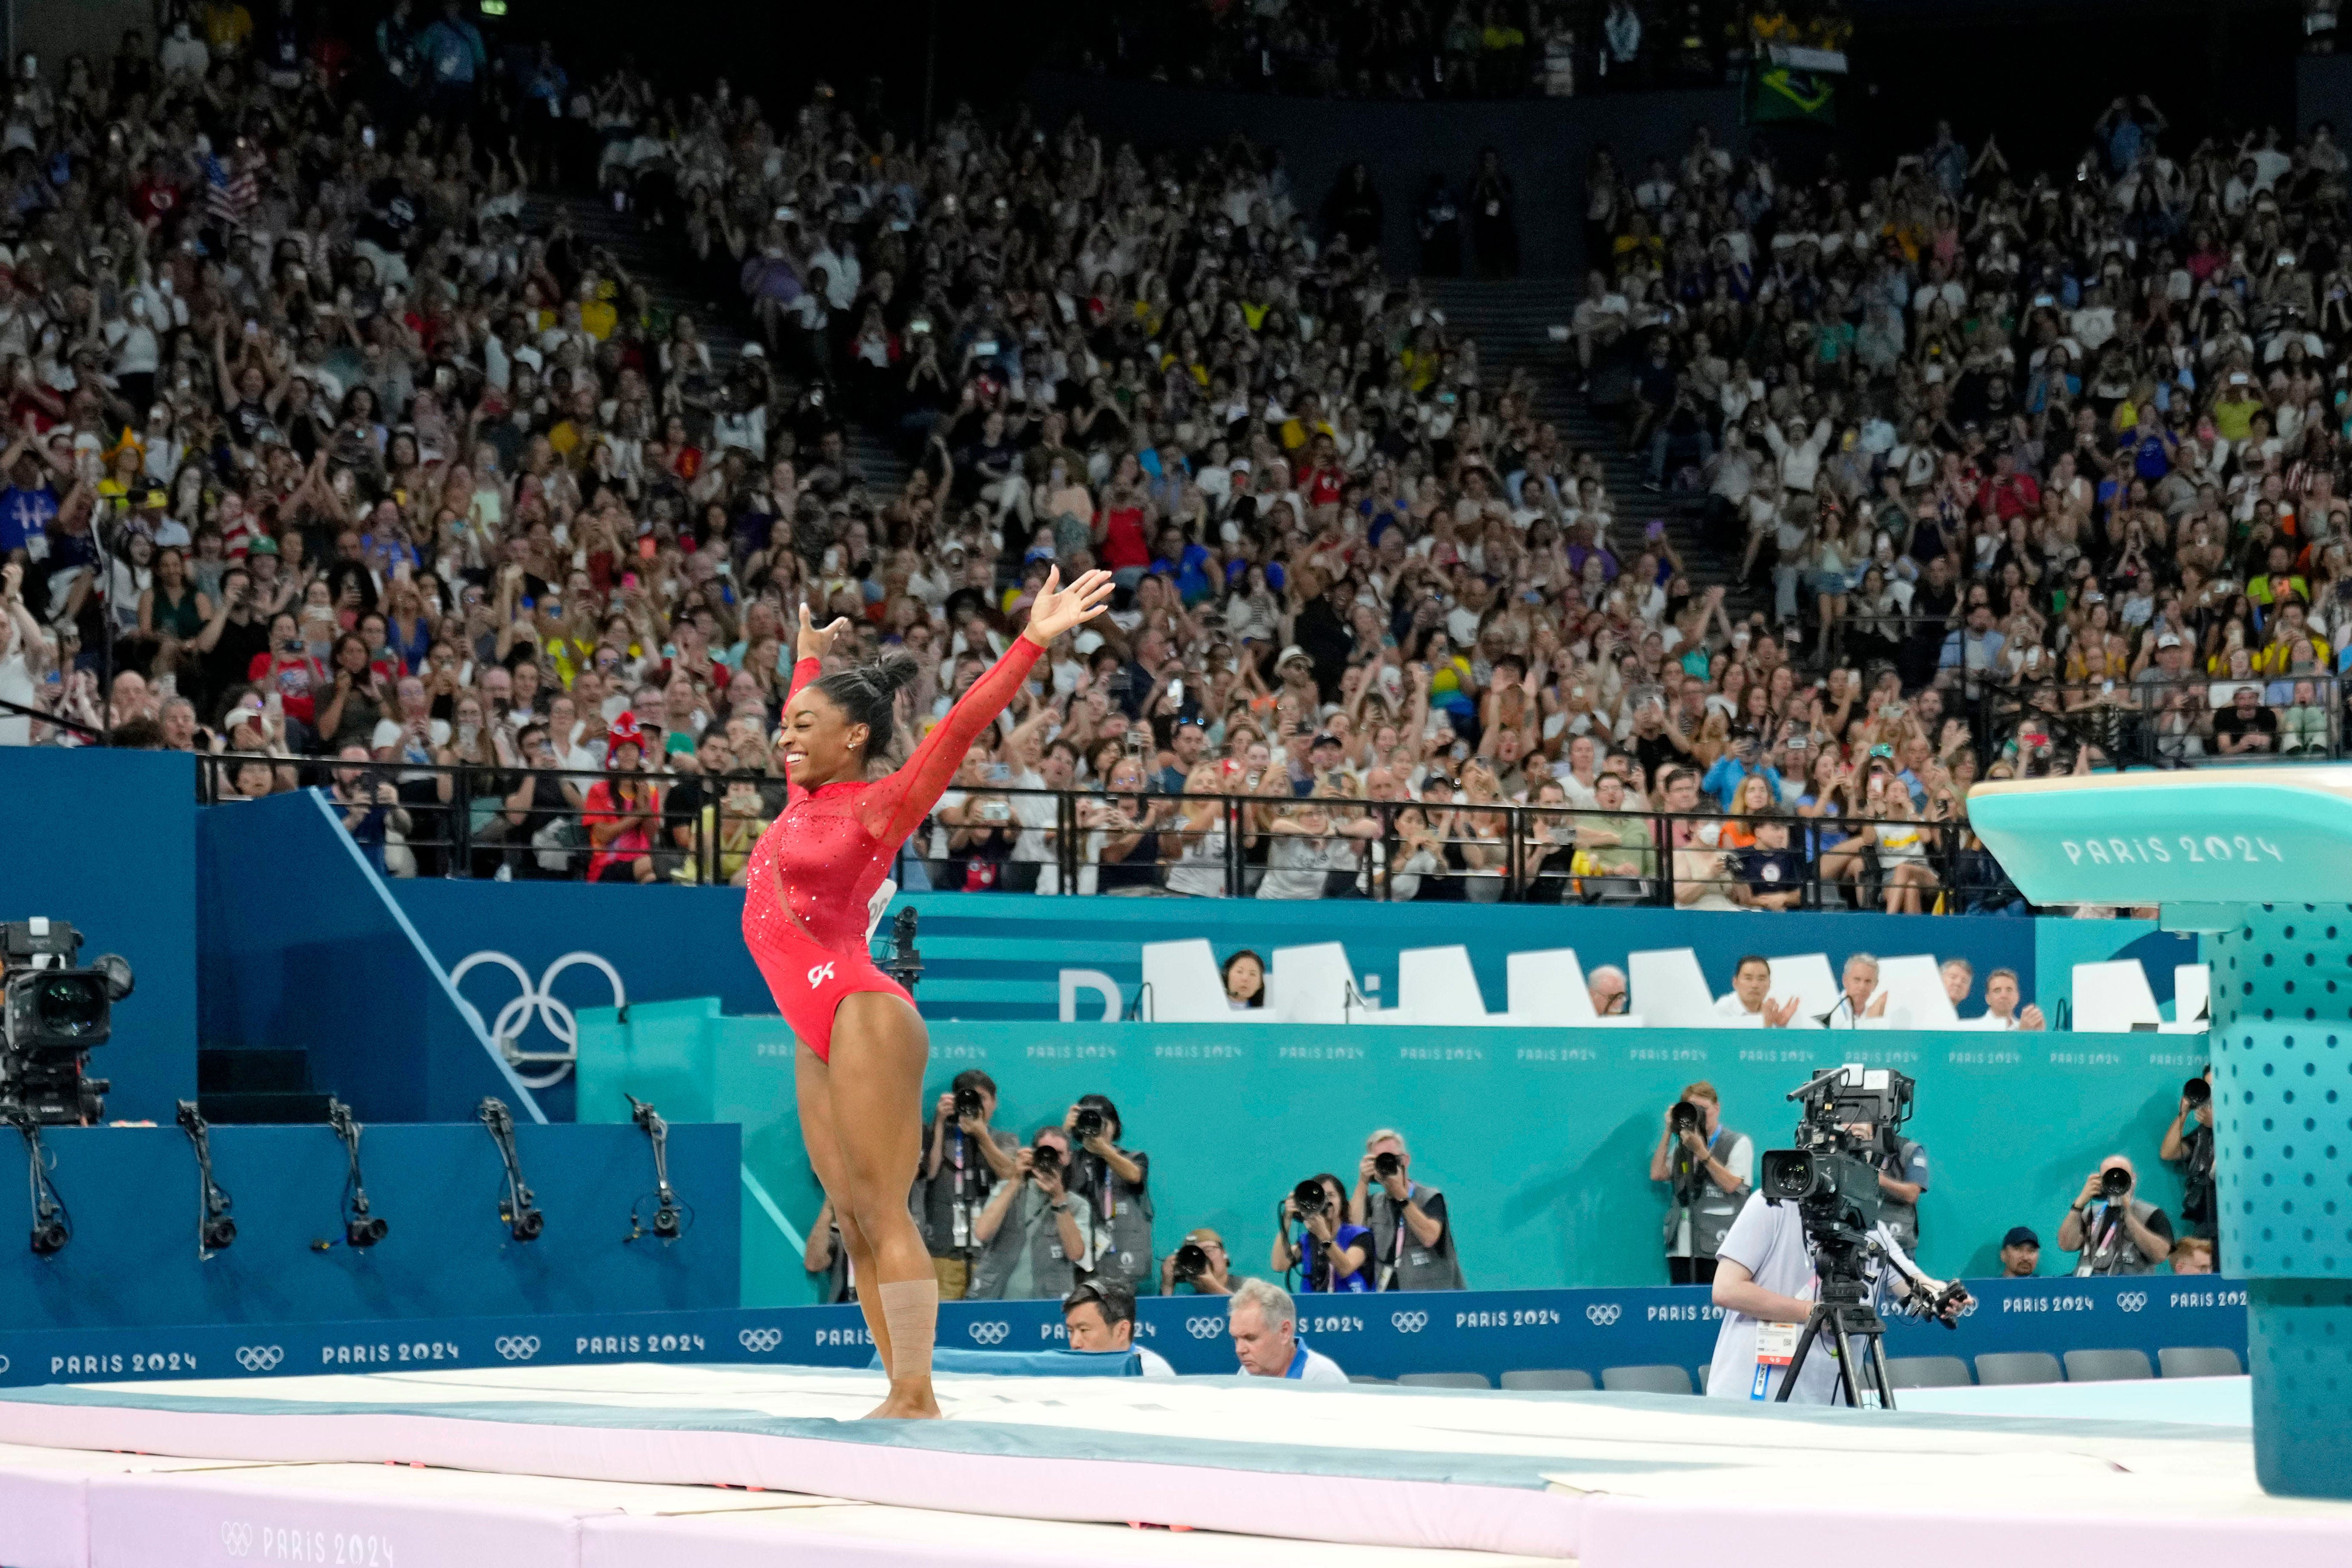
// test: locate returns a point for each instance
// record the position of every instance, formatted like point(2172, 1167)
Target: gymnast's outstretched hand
point(1058, 609)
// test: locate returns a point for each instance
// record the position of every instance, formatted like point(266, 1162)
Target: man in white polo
point(1265, 1324)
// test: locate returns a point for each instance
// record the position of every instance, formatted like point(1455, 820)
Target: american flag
point(228, 196)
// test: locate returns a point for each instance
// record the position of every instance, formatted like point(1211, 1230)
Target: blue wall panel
point(108, 841)
point(133, 1261)
point(304, 950)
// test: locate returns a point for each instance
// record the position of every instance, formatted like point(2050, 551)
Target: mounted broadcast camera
point(672, 1218)
point(1850, 1114)
point(52, 1013)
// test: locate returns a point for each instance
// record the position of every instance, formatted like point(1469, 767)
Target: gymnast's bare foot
point(909, 1402)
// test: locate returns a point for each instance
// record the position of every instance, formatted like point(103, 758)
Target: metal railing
point(465, 822)
point(2170, 722)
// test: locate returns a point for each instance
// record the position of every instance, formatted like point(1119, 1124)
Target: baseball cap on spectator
point(2168, 640)
point(261, 544)
point(1323, 740)
point(2020, 1236)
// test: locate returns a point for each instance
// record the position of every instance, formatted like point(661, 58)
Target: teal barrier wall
point(1542, 1138)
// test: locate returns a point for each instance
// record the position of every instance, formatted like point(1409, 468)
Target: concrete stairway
point(657, 261)
point(1512, 320)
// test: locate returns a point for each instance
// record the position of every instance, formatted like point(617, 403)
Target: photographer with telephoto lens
point(1412, 1245)
point(964, 1159)
point(1199, 1264)
point(1328, 1252)
point(1035, 1237)
point(2188, 1143)
point(2114, 1231)
point(1709, 1169)
point(1114, 1183)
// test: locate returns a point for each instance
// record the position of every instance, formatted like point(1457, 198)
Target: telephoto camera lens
point(1309, 1198)
point(1684, 1114)
point(2114, 1183)
point(2196, 1091)
point(1045, 1157)
point(1192, 1260)
point(1385, 1165)
point(1088, 1123)
point(968, 1103)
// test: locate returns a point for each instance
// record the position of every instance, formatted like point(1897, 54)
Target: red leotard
point(816, 869)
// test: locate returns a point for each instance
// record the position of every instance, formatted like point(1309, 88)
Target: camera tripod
point(1845, 1319)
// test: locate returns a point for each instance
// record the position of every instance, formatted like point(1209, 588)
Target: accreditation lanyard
point(1396, 1243)
point(1776, 1347)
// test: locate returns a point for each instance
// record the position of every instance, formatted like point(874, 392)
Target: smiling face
point(820, 743)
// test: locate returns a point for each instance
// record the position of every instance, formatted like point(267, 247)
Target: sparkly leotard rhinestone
point(815, 869)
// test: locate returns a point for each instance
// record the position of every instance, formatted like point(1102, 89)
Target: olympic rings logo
point(517, 1347)
point(259, 1358)
point(760, 1341)
point(2131, 1300)
point(1204, 1328)
point(1408, 1323)
point(1601, 1314)
point(536, 1001)
point(237, 1538)
point(995, 1331)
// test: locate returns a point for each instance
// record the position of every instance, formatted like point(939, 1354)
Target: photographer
point(1329, 1253)
point(1200, 1263)
point(2188, 1143)
point(1902, 1178)
point(2113, 1231)
point(1412, 1245)
point(963, 1160)
point(1034, 1235)
point(1100, 1316)
point(1113, 1182)
point(1710, 1168)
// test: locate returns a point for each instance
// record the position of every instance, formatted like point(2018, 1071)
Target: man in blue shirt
point(453, 56)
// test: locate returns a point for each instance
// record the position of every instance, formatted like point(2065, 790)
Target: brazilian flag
point(1780, 93)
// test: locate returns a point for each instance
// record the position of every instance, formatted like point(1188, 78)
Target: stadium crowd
point(354, 467)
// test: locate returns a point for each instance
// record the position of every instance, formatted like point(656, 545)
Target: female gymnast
point(858, 1071)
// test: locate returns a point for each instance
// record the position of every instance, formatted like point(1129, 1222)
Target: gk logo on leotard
point(819, 975)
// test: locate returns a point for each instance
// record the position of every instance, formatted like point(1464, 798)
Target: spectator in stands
point(1750, 998)
point(1411, 1240)
point(2245, 725)
point(1035, 1237)
point(2021, 1253)
point(2124, 1234)
point(1263, 1321)
point(1099, 1316)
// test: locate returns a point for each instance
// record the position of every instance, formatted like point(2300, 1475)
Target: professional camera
point(1833, 1174)
point(1683, 1117)
point(968, 1103)
point(1309, 1198)
point(51, 1013)
point(1088, 1123)
point(2115, 1183)
point(2197, 1092)
point(1045, 1157)
point(1386, 1164)
point(1192, 1260)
